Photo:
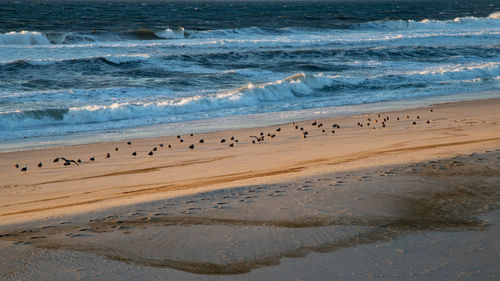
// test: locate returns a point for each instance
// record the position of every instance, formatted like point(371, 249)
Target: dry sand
point(401, 201)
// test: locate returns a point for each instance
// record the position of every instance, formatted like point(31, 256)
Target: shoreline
point(393, 202)
point(239, 122)
point(126, 179)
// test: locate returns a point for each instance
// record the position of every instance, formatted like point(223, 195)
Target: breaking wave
point(39, 38)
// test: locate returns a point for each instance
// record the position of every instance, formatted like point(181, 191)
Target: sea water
point(74, 70)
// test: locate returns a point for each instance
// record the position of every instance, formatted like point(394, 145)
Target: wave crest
point(23, 38)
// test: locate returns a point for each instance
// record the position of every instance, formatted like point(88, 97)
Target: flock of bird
point(370, 123)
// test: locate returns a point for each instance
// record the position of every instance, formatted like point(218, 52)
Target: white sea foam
point(23, 38)
point(177, 33)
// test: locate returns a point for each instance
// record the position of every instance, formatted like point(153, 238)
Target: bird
point(17, 166)
point(24, 169)
point(155, 148)
point(304, 136)
point(418, 117)
point(428, 121)
point(40, 165)
point(268, 134)
point(161, 144)
point(278, 130)
point(397, 118)
point(232, 138)
point(302, 128)
point(323, 130)
point(296, 127)
point(108, 155)
point(178, 136)
point(134, 153)
point(150, 153)
point(314, 123)
point(56, 160)
point(129, 143)
point(116, 148)
point(261, 133)
point(259, 139)
point(253, 141)
point(169, 146)
point(431, 110)
point(69, 161)
point(231, 144)
point(235, 140)
point(273, 136)
point(407, 116)
point(191, 134)
point(79, 160)
point(181, 140)
point(202, 141)
point(191, 146)
point(222, 141)
point(92, 158)
point(333, 131)
point(414, 123)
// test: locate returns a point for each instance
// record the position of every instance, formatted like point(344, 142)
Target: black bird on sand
point(69, 161)
point(24, 169)
point(129, 143)
point(155, 148)
point(191, 146)
point(79, 160)
point(150, 153)
point(181, 140)
point(40, 165)
point(92, 158)
point(17, 166)
point(161, 144)
point(108, 155)
point(314, 123)
point(296, 127)
point(261, 133)
point(169, 146)
point(232, 138)
point(178, 136)
point(231, 145)
point(134, 153)
point(202, 141)
point(116, 148)
point(222, 141)
point(259, 139)
point(278, 130)
point(56, 160)
point(191, 134)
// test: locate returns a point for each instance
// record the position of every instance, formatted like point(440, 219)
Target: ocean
point(81, 71)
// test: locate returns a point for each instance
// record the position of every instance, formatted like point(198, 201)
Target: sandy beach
point(403, 194)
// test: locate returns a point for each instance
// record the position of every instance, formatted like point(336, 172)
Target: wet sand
point(404, 201)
